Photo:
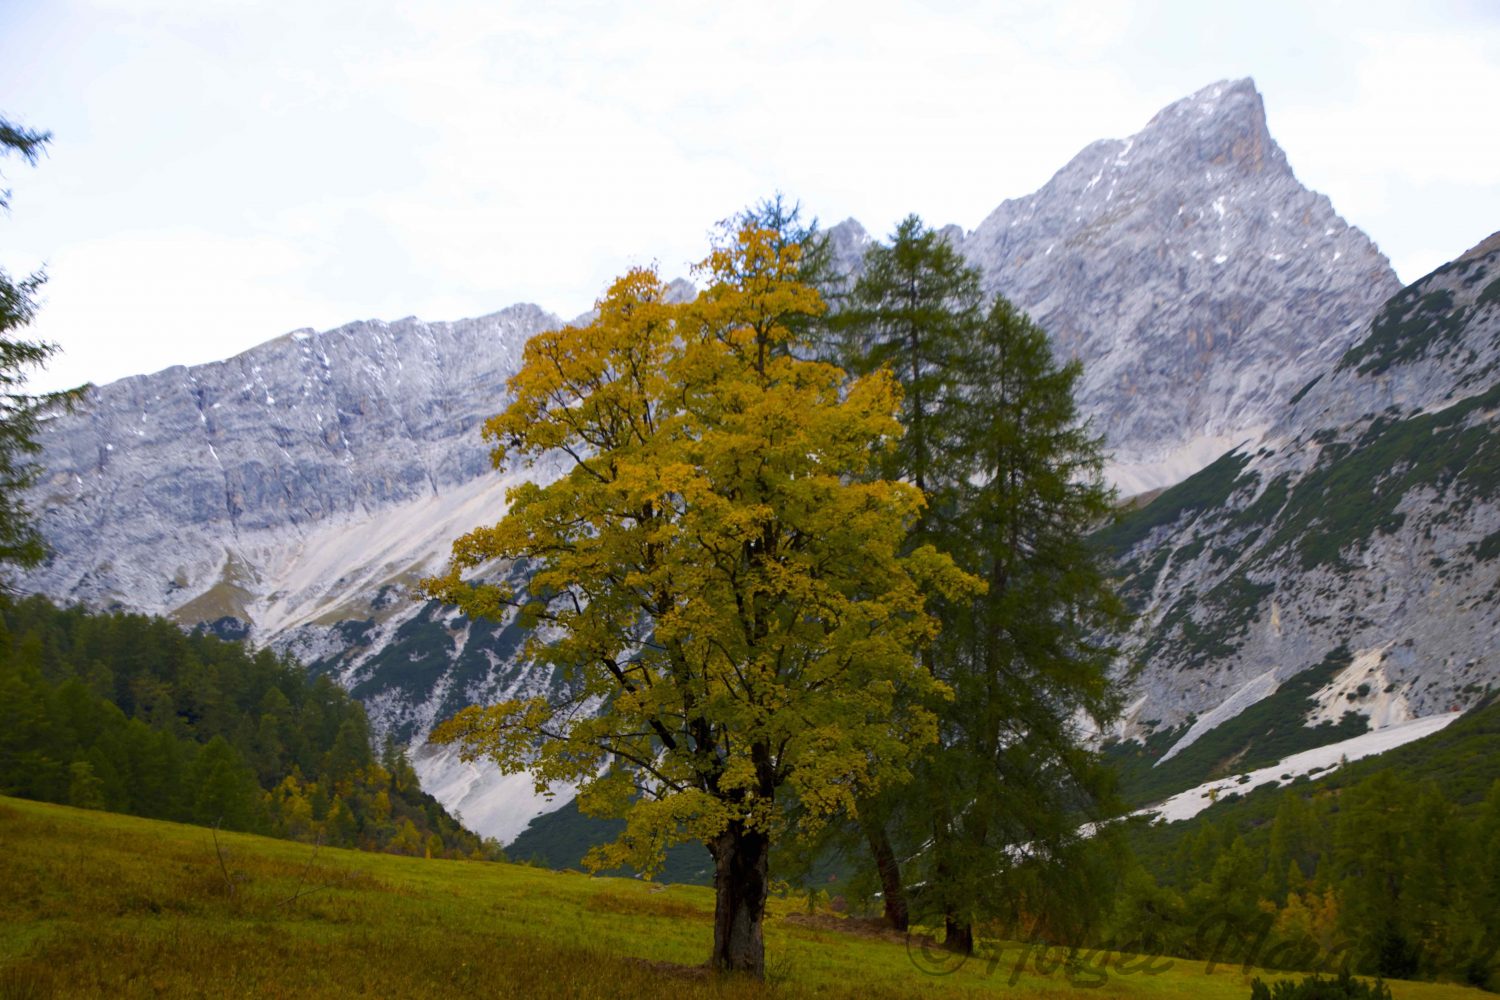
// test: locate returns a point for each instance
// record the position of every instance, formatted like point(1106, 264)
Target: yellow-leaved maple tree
point(717, 577)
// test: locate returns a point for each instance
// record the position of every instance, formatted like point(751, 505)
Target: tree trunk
point(741, 880)
point(891, 890)
point(958, 935)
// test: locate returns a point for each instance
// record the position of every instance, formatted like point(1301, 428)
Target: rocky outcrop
point(1200, 283)
point(204, 491)
point(1366, 520)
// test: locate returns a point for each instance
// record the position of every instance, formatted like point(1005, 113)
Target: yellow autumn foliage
point(717, 575)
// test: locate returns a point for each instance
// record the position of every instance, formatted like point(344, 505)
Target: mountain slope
point(294, 493)
point(260, 487)
point(1364, 523)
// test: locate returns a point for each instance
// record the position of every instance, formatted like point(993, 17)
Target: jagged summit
point(341, 337)
point(1198, 280)
point(1228, 121)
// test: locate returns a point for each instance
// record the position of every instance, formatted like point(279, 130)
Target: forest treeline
point(131, 714)
point(1387, 875)
point(1391, 864)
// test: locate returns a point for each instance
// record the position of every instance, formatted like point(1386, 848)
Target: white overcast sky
point(223, 171)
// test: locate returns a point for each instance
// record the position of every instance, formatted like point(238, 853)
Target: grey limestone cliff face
point(1200, 283)
point(1198, 280)
point(1366, 519)
point(162, 487)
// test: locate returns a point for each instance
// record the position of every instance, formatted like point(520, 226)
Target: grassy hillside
point(103, 905)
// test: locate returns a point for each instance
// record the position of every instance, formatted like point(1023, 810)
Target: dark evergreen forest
point(131, 714)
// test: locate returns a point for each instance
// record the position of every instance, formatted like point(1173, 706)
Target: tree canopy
point(913, 312)
point(721, 580)
point(1013, 477)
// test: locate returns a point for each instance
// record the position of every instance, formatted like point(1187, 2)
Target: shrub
point(1345, 987)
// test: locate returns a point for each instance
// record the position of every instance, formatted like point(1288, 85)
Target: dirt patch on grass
point(873, 928)
point(671, 970)
point(635, 905)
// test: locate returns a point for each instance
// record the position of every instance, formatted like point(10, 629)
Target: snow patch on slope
point(489, 802)
point(1254, 690)
point(1186, 805)
point(1173, 466)
point(336, 568)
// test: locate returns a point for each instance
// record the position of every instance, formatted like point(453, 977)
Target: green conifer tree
point(1013, 480)
point(1481, 955)
point(225, 791)
point(910, 311)
point(1372, 846)
point(20, 544)
point(85, 790)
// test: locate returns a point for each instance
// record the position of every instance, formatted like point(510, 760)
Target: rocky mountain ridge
point(1364, 526)
point(217, 491)
point(1199, 282)
point(294, 492)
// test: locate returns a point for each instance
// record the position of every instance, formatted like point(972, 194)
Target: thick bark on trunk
point(958, 932)
point(891, 890)
point(741, 882)
point(958, 935)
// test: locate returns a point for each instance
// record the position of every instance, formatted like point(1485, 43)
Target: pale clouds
point(224, 172)
point(1410, 141)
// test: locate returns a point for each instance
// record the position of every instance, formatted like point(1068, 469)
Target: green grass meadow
point(101, 905)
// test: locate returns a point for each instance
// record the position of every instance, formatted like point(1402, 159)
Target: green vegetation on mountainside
point(1268, 731)
point(1417, 321)
point(1393, 855)
point(1206, 490)
point(1326, 517)
point(427, 646)
point(131, 714)
point(561, 838)
point(434, 652)
point(1353, 493)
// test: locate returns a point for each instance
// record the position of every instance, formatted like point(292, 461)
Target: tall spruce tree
point(910, 312)
point(20, 544)
point(1013, 479)
point(1028, 659)
point(1372, 848)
